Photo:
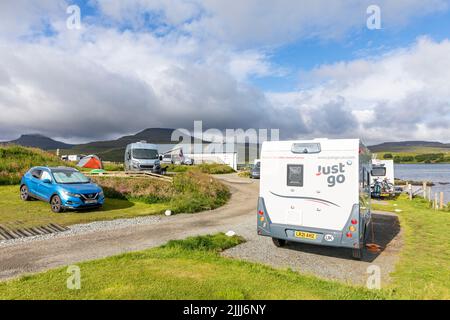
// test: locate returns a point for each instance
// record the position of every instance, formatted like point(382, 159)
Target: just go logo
point(335, 173)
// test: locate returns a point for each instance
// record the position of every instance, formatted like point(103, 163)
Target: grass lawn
point(187, 269)
point(193, 269)
point(423, 271)
point(17, 213)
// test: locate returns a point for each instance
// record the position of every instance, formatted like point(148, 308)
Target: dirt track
point(237, 215)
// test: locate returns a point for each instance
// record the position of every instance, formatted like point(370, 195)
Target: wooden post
point(429, 193)
point(410, 191)
point(441, 200)
point(424, 187)
point(435, 201)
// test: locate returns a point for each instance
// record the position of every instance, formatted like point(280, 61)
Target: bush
point(244, 174)
point(189, 192)
point(216, 243)
point(400, 159)
point(209, 168)
point(388, 156)
point(429, 157)
point(16, 160)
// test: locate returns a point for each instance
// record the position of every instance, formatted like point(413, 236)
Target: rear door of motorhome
point(313, 189)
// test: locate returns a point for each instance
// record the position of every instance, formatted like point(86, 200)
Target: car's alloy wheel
point(56, 204)
point(24, 195)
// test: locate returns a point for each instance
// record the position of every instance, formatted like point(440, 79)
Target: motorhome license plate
point(91, 201)
point(305, 235)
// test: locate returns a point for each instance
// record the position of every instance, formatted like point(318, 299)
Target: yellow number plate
point(305, 235)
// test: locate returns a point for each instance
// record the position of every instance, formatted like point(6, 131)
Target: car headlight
point(101, 194)
point(69, 194)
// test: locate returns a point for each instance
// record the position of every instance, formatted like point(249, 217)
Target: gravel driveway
point(103, 239)
point(325, 262)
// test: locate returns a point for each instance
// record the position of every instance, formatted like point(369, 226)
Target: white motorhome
point(142, 156)
point(315, 191)
point(383, 170)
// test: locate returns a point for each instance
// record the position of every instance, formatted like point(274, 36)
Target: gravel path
point(80, 229)
point(325, 262)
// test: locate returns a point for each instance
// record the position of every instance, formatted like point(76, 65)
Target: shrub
point(16, 160)
point(189, 192)
point(216, 243)
point(209, 168)
point(388, 156)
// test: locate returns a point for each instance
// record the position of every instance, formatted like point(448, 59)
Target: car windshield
point(145, 154)
point(69, 177)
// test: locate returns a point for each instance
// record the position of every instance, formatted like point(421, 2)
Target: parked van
point(315, 191)
point(142, 156)
point(382, 180)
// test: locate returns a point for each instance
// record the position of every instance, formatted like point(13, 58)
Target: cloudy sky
point(311, 68)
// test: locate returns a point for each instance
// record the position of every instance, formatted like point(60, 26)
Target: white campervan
point(315, 191)
point(383, 170)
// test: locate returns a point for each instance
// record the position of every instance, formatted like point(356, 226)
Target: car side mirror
point(47, 181)
point(160, 158)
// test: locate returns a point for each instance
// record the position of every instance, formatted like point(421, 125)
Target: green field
point(417, 155)
point(193, 269)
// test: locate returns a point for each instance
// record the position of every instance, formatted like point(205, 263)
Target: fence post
point(410, 191)
point(424, 188)
point(435, 201)
point(441, 201)
point(429, 193)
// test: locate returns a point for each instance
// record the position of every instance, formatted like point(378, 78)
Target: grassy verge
point(209, 168)
point(16, 160)
point(423, 270)
point(126, 198)
point(188, 269)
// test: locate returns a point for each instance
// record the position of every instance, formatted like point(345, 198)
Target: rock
point(230, 233)
point(168, 213)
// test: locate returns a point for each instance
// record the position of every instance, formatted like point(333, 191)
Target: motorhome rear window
point(295, 175)
point(378, 171)
point(306, 148)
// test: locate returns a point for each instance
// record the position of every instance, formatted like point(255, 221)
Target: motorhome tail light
point(261, 212)
point(354, 221)
point(349, 235)
point(352, 229)
point(262, 219)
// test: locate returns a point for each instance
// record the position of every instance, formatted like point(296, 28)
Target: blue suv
point(64, 188)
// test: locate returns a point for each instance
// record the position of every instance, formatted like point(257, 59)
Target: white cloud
point(403, 94)
point(196, 64)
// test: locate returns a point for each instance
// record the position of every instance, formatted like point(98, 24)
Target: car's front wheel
point(56, 204)
point(24, 194)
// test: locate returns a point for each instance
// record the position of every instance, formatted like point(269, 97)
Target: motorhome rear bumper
point(334, 238)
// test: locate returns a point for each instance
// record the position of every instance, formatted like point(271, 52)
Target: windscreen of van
point(145, 154)
point(295, 175)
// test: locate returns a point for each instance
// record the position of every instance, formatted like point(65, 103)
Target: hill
point(114, 150)
point(411, 146)
point(39, 141)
